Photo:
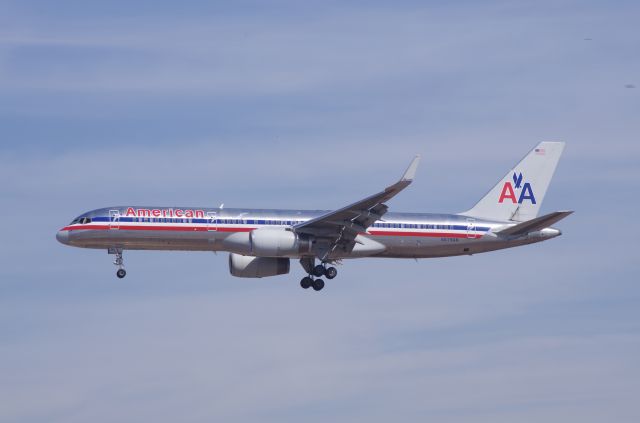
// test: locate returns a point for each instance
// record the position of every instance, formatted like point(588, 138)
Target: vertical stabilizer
point(518, 196)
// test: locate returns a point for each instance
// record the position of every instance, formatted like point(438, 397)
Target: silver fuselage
point(404, 235)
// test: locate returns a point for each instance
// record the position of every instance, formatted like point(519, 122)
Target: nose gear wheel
point(118, 261)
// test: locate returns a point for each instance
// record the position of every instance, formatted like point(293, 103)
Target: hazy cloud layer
point(313, 106)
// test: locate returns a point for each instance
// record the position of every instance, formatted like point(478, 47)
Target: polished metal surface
point(400, 240)
point(365, 228)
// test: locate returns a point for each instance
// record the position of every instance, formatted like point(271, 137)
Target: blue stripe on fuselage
point(420, 226)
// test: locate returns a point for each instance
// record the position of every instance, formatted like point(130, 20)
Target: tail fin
point(518, 196)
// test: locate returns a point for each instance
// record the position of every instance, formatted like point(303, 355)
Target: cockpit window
point(81, 220)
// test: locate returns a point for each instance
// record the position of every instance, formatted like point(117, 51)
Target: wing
point(336, 231)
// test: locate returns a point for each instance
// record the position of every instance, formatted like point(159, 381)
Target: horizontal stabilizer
point(535, 224)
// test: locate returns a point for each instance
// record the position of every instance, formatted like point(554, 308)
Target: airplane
point(261, 243)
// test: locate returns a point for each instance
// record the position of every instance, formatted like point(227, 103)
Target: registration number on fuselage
point(445, 239)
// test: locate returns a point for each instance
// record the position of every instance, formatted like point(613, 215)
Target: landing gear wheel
point(318, 271)
point(331, 272)
point(306, 282)
point(318, 284)
point(119, 261)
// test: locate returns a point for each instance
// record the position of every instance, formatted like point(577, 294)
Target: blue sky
point(313, 105)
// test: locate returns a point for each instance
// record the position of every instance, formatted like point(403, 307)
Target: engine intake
point(257, 267)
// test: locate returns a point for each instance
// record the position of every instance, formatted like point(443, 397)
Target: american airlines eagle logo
point(509, 191)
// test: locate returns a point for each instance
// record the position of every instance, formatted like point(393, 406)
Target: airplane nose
point(63, 237)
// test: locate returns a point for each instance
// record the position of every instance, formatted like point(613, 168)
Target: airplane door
point(212, 221)
point(471, 227)
point(114, 219)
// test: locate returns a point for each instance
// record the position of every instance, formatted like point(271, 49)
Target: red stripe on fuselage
point(425, 234)
point(220, 229)
point(154, 228)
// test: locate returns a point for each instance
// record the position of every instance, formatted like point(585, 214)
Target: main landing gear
point(315, 272)
point(308, 282)
point(119, 261)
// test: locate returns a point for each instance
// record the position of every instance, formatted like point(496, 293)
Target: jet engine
point(267, 242)
point(257, 267)
point(277, 243)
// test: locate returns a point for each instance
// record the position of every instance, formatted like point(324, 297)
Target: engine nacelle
point(257, 267)
point(277, 243)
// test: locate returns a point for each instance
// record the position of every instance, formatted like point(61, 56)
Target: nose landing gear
point(118, 261)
